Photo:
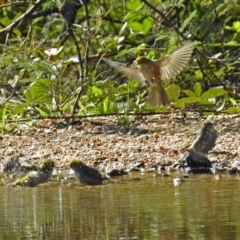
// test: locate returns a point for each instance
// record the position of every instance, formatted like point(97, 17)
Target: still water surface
point(153, 208)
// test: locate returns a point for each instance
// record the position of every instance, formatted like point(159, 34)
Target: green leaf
point(233, 101)
point(198, 89)
point(106, 105)
point(38, 91)
point(16, 16)
point(133, 4)
point(3, 113)
point(42, 112)
point(111, 44)
point(5, 21)
point(19, 109)
point(17, 32)
point(199, 75)
point(95, 90)
point(236, 26)
point(155, 109)
point(173, 92)
point(147, 25)
point(136, 26)
point(180, 105)
point(189, 93)
point(213, 93)
point(183, 102)
point(122, 53)
point(234, 110)
point(187, 20)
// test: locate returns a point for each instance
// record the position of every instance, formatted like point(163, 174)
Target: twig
point(13, 92)
point(164, 17)
point(10, 27)
point(80, 89)
point(14, 3)
point(84, 69)
point(118, 114)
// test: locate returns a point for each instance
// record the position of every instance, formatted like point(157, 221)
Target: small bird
point(206, 139)
point(195, 156)
point(41, 175)
point(13, 166)
point(152, 72)
point(85, 174)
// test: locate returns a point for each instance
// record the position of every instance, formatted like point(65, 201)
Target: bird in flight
point(152, 72)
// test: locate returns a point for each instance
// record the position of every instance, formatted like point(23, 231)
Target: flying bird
point(152, 72)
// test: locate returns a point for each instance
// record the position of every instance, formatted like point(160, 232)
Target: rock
point(116, 173)
point(197, 160)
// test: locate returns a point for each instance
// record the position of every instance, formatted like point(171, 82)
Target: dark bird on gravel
point(205, 142)
point(152, 72)
point(206, 139)
point(86, 174)
point(41, 175)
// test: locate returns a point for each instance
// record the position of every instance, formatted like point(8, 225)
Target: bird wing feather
point(131, 72)
point(173, 64)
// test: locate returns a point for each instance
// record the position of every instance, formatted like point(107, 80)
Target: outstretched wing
point(173, 64)
point(131, 72)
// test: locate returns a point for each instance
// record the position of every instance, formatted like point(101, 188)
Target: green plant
point(59, 73)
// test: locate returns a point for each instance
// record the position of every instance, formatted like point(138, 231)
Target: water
point(153, 208)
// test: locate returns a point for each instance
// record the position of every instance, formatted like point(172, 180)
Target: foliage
point(42, 75)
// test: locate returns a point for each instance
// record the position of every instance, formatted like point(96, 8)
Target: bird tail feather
point(157, 96)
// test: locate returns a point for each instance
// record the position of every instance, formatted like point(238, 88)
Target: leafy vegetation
point(51, 67)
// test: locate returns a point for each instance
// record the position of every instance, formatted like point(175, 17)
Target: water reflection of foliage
point(150, 209)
